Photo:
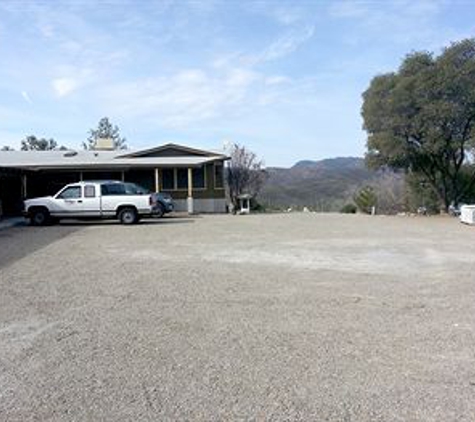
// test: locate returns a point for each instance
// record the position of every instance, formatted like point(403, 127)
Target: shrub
point(349, 209)
point(365, 199)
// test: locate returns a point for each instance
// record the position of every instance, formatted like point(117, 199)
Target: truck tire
point(128, 215)
point(39, 217)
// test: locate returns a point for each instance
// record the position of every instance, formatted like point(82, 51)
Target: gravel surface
point(261, 317)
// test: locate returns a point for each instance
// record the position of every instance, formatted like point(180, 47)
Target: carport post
point(24, 186)
point(157, 181)
point(189, 201)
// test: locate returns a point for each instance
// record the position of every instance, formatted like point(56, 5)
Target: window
point(70, 193)
point(168, 179)
point(199, 178)
point(218, 175)
point(182, 178)
point(89, 191)
point(113, 189)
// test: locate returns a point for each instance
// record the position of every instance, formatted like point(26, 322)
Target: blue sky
point(283, 78)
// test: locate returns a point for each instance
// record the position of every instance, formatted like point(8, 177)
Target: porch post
point(157, 181)
point(123, 175)
point(189, 201)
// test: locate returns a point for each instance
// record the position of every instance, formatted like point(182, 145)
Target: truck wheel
point(128, 216)
point(39, 217)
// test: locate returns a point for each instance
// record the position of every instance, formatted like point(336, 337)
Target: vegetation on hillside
point(325, 185)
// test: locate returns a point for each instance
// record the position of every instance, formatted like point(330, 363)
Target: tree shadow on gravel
point(18, 242)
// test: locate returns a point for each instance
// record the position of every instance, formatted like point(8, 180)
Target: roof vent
point(70, 153)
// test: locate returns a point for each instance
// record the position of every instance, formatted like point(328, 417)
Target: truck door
point(68, 202)
point(91, 203)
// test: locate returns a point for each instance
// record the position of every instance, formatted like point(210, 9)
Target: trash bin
point(467, 214)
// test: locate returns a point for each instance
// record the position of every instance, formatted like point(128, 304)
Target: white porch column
point(189, 201)
point(157, 181)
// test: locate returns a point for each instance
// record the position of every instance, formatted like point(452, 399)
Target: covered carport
point(11, 191)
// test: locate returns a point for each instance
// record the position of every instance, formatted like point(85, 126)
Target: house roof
point(169, 146)
point(44, 160)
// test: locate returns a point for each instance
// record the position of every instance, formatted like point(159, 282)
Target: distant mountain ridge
point(324, 185)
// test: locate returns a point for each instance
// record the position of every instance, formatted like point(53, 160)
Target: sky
point(283, 78)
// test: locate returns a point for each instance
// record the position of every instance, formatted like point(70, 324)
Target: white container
point(467, 214)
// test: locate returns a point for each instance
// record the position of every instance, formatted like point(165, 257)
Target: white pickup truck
point(127, 202)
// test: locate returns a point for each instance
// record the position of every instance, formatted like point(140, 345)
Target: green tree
point(422, 119)
point(105, 130)
point(32, 143)
point(365, 199)
point(7, 148)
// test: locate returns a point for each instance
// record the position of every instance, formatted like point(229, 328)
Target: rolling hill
point(324, 185)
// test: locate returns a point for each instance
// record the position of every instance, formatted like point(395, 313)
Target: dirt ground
point(264, 317)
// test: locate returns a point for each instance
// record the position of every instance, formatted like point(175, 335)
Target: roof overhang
point(90, 160)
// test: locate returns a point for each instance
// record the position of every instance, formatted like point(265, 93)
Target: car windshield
point(133, 189)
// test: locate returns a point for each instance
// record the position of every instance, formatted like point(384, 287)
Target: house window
point(218, 175)
point(182, 178)
point(168, 179)
point(199, 178)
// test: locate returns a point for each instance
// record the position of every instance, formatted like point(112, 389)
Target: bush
point(257, 206)
point(365, 199)
point(349, 209)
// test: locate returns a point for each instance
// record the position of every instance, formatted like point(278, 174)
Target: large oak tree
point(422, 119)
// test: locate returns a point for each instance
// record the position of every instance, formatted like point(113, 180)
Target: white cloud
point(71, 78)
point(46, 30)
point(279, 12)
point(283, 46)
point(64, 86)
point(348, 9)
point(400, 21)
point(184, 98)
point(277, 80)
point(26, 97)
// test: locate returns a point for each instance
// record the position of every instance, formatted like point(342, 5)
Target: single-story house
point(193, 177)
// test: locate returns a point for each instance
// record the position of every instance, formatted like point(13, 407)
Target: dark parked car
point(164, 204)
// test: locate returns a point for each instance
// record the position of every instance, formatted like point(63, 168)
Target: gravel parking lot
point(261, 317)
